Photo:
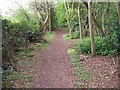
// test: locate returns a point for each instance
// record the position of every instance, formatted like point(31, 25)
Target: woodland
point(48, 33)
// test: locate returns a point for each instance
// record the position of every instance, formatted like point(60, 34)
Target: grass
point(49, 36)
point(66, 37)
point(80, 71)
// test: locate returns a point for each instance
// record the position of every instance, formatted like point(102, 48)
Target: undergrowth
point(67, 36)
point(80, 71)
point(9, 77)
point(103, 46)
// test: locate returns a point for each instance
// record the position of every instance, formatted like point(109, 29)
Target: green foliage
point(25, 54)
point(30, 78)
point(18, 31)
point(104, 46)
point(49, 36)
point(60, 15)
point(67, 36)
point(10, 76)
point(85, 46)
point(53, 19)
point(73, 17)
point(75, 34)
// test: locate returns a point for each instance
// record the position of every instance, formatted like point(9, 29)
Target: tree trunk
point(26, 40)
point(11, 55)
point(44, 23)
point(96, 12)
point(9, 47)
point(107, 17)
point(38, 13)
point(80, 24)
point(118, 31)
point(96, 24)
point(103, 20)
point(119, 11)
point(94, 20)
point(47, 17)
point(73, 4)
point(91, 28)
point(68, 8)
point(50, 19)
point(67, 14)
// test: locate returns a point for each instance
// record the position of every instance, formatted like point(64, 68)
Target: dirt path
point(54, 69)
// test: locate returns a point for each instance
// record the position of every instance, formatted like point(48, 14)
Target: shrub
point(84, 46)
point(104, 46)
point(75, 35)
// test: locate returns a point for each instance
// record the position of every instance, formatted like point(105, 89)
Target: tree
point(118, 33)
point(95, 14)
point(91, 28)
point(80, 24)
point(94, 20)
point(50, 17)
point(68, 17)
point(38, 12)
point(28, 19)
point(107, 17)
point(103, 18)
point(42, 8)
point(73, 2)
point(118, 5)
point(7, 39)
point(47, 17)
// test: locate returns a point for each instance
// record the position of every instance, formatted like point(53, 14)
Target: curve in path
point(55, 70)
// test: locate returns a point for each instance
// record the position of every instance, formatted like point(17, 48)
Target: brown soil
point(54, 68)
point(103, 69)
